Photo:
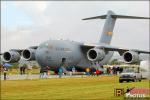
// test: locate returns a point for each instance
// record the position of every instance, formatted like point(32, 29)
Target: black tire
point(140, 79)
point(120, 81)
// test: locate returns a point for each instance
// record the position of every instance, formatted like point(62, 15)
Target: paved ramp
point(36, 76)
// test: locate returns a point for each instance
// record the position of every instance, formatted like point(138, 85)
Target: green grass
point(66, 88)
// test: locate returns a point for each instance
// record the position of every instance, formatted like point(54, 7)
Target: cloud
point(14, 38)
point(63, 20)
point(35, 10)
point(36, 6)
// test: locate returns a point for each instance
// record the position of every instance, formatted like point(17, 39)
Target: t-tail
point(108, 28)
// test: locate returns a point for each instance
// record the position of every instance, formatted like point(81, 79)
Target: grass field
point(66, 88)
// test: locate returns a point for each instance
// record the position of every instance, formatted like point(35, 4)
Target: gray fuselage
point(52, 52)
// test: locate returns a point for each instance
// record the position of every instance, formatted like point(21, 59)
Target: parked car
point(130, 75)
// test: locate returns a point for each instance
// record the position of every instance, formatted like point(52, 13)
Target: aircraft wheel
point(120, 81)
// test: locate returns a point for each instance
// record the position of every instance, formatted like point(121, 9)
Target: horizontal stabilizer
point(129, 17)
point(116, 16)
point(96, 17)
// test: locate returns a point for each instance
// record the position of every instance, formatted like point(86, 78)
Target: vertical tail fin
point(108, 28)
point(111, 17)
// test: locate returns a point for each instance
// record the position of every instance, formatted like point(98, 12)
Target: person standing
point(47, 71)
point(97, 72)
point(5, 73)
point(24, 68)
point(60, 72)
point(29, 71)
point(88, 71)
point(21, 70)
point(41, 73)
point(73, 70)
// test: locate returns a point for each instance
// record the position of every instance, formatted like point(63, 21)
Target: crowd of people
point(113, 70)
point(45, 71)
point(106, 71)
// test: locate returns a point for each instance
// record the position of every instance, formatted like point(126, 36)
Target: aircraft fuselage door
point(63, 61)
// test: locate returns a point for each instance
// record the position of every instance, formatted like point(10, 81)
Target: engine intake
point(29, 54)
point(130, 57)
point(11, 56)
point(96, 54)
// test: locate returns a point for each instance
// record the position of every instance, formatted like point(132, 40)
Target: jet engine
point(11, 56)
point(130, 57)
point(28, 54)
point(96, 54)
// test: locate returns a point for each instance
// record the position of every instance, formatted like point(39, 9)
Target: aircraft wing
point(17, 50)
point(112, 48)
point(33, 47)
point(14, 55)
point(20, 50)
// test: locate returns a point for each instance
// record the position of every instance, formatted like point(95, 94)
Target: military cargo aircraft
point(55, 53)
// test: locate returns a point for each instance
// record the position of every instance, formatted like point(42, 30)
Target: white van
point(145, 69)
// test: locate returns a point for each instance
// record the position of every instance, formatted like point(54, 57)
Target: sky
point(29, 23)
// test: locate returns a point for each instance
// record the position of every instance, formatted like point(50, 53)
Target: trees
point(115, 62)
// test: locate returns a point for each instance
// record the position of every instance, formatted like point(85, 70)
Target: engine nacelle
point(96, 54)
point(131, 57)
point(11, 56)
point(28, 54)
